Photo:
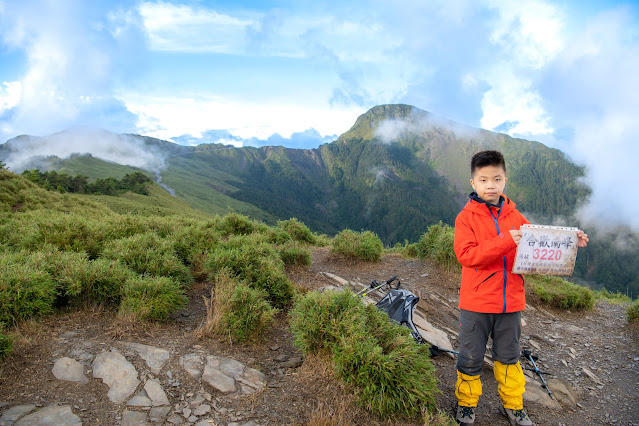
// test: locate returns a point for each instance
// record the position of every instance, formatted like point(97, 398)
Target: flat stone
point(154, 357)
point(174, 419)
point(563, 391)
point(281, 358)
point(292, 362)
point(60, 415)
point(197, 401)
point(158, 414)
point(536, 393)
point(192, 419)
point(140, 400)
point(134, 418)
point(592, 376)
point(154, 389)
point(217, 378)
point(14, 413)
point(118, 373)
point(70, 370)
point(192, 363)
point(254, 379)
point(202, 410)
point(230, 367)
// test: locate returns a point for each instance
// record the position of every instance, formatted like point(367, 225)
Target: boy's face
point(489, 183)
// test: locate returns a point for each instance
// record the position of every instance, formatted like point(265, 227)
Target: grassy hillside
point(208, 180)
point(395, 172)
point(541, 179)
point(93, 168)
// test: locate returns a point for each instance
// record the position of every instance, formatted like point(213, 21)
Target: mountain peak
point(367, 123)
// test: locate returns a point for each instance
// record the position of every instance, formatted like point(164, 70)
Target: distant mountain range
point(395, 172)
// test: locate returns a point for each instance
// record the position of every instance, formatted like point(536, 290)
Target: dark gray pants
point(476, 327)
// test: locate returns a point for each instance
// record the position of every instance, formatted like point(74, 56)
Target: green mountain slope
point(395, 172)
point(395, 186)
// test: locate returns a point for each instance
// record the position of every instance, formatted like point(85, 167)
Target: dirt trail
point(600, 340)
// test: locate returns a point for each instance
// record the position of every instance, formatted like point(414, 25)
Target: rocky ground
point(88, 367)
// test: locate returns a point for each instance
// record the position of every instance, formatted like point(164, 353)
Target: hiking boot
point(465, 415)
point(516, 417)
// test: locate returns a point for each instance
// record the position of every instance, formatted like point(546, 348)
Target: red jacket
point(486, 250)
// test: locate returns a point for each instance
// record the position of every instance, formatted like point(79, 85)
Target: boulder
point(134, 418)
point(154, 357)
point(117, 373)
point(563, 392)
point(14, 413)
point(70, 370)
point(60, 415)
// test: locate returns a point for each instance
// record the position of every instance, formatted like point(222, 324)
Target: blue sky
point(299, 72)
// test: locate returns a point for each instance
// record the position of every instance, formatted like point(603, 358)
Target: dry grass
point(330, 414)
point(337, 405)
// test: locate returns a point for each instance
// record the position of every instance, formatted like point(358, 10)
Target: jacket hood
point(480, 206)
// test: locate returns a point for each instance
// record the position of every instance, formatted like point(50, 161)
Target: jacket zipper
point(504, 258)
point(486, 279)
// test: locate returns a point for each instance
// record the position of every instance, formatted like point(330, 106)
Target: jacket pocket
point(484, 280)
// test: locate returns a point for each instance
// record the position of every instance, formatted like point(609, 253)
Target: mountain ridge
point(397, 171)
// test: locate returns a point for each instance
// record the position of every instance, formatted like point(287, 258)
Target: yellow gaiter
point(511, 381)
point(467, 390)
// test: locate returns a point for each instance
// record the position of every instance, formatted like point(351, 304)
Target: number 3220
point(545, 254)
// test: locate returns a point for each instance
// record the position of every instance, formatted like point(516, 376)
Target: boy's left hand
point(582, 239)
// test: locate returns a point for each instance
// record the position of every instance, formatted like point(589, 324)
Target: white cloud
point(108, 146)
point(530, 32)
point(528, 36)
point(513, 100)
point(592, 89)
point(10, 95)
point(69, 68)
point(166, 117)
point(182, 28)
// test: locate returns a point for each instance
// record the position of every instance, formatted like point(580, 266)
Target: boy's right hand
point(516, 234)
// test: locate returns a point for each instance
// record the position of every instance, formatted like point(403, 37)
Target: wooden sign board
point(546, 250)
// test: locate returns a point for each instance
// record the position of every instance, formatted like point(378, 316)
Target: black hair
point(486, 158)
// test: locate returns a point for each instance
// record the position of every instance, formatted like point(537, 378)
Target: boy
point(491, 297)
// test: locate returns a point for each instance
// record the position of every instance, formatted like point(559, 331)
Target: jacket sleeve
point(474, 254)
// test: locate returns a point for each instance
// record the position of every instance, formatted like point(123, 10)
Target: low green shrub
point(557, 292)
point(297, 230)
point(633, 311)
point(104, 282)
point(323, 240)
point(151, 298)
point(319, 320)
point(6, 346)
point(24, 290)
point(393, 374)
point(237, 224)
point(240, 311)
point(438, 244)
point(604, 294)
point(358, 245)
point(275, 235)
point(192, 242)
point(292, 254)
point(149, 254)
point(251, 259)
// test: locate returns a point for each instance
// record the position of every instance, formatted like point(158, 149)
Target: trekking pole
point(374, 286)
point(436, 351)
point(528, 355)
